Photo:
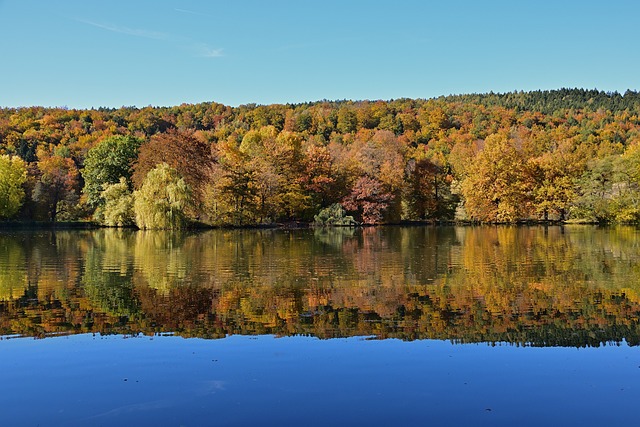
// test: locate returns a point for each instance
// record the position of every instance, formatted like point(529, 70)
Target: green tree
point(334, 215)
point(13, 173)
point(106, 163)
point(118, 207)
point(596, 192)
point(628, 183)
point(610, 189)
point(162, 200)
point(347, 120)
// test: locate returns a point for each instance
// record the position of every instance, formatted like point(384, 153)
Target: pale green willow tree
point(162, 200)
point(118, 205)
point(13, 173)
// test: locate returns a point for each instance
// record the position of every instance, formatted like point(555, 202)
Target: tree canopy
point(568, 154)
point(107, 162)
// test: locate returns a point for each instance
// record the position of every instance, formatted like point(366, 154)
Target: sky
point(90, 53)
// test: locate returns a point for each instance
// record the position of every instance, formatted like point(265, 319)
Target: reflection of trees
point(42, 271)
point(183, 309)
point(161, 259)
point(108, 273)
point(54, 261)
point(334, 236)
point(13, 274)
point(532, 283)
point(528, 285)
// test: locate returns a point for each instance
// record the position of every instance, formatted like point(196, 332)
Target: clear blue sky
point(89, 53)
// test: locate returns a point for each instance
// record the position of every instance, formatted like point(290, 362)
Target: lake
point(369, 326)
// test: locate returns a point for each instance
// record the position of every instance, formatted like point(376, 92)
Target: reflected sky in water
point(170, 381)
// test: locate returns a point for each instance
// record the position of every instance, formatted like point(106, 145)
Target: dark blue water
point(87, 380)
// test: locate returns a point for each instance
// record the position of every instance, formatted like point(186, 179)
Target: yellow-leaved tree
point(498, 187)
point(13, 173)
point(162, 200)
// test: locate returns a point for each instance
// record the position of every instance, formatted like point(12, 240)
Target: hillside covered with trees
point(570, 154)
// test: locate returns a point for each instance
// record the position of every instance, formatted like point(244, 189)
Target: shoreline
point(89, 225)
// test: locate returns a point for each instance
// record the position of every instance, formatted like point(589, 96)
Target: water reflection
point(547, 286)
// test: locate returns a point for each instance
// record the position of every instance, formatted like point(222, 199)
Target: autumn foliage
point(570, 154)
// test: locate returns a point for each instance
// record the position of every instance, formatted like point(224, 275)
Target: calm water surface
point(376, 326)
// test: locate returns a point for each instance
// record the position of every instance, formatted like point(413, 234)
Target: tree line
point(571, 154)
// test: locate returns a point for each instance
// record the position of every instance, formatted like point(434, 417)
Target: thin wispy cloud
point(198, 49)
point(204, 51)
point(128, 31)
point(192, 12)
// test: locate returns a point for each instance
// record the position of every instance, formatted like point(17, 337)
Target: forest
point(561, 155)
